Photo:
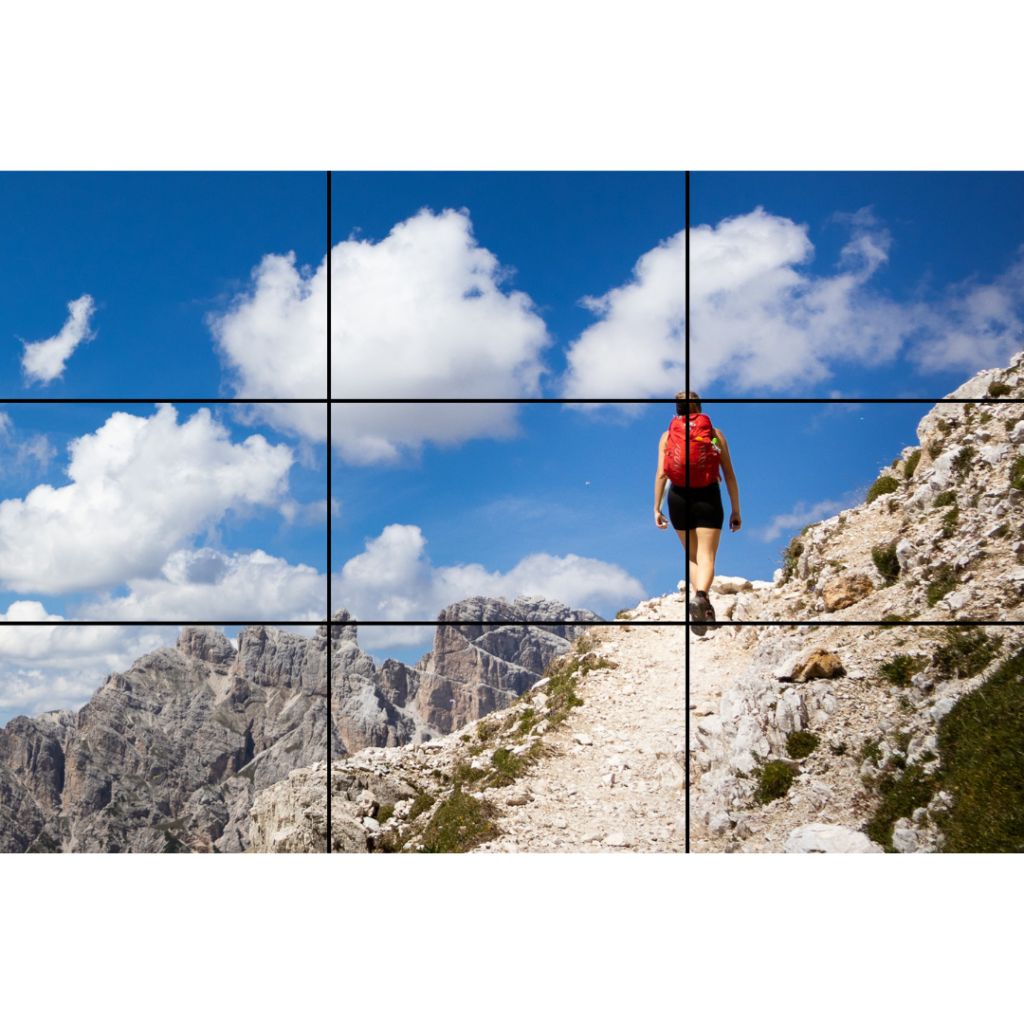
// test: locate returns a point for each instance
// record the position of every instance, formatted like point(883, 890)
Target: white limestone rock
point(819, 837)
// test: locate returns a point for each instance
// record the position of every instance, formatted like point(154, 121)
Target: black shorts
point(693, 507)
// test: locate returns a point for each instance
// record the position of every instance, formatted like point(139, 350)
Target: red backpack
point(705, 457)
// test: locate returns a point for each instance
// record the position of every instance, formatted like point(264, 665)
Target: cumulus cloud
point(273, 340)
point(760, 319)
point(423, 314)
point(392, 579)
point(211, 585)
point(43, 361)
point(973, 325)
point(46, 668)
point(140, 489)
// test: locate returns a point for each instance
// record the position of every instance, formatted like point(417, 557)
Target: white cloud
point(141, 487)
point(422, 314)
point(46, 668)
point(210, 585)
point(758, 321)
point(802, 515)
point(393, 580)
point(973, 325)
point(273, 339)
point(43, 361)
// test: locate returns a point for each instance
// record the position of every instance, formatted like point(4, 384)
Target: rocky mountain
point(471, 671)
point(168, 756)
point(809, 738)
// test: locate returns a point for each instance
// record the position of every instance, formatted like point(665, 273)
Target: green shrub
point(790, 558)
point(964, 459)
point(891, 619)
point(423, 802)
point(949, 521)
point(886, 562)
point(945, 426)
point(965, 651)
point(801, 744)
point(911, 464)
point(1010, 422)
point(774, 780)
point(943, 581)
point(385, 812)
point(871, 752)
point(1017, 473)
point(985, 417)
point(885, 484)
point(943, 499)
point(507, 768)
point(459, 823)
point(934, 450)
point(999, 390)
point(902, 792)
point(900, 670)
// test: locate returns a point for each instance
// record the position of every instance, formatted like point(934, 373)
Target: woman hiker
point(695, 499)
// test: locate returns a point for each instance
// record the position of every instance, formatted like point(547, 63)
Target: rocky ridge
point(168, 756)
point(842, 709)
point(471, 671)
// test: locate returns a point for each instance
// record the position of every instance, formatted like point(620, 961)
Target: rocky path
point(615, 780)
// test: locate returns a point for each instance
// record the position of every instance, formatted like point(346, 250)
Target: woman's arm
point(735, 519)
point(659, 485)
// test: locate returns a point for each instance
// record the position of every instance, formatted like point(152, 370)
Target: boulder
point(817, 663)
point(821, 838)
point(845, 591)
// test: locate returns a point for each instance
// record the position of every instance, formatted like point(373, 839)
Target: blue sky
point(115, 286)
point(816, 285)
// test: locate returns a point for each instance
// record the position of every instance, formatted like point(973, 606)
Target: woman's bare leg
point(701, 548)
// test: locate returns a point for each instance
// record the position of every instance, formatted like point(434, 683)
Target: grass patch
point(838, 749)
point(885, 484)
point(890, 619)
point(423, 802)
point(965, 651)
point(527, 722)
point(934, 450)
point(911, 464)
point(886, 562)
point(902, 790)
point(945, 426)
point(624, 613)
point(1010, 422)
point(985, 417)
point(964, 459)
point(980, 743)
point(944, 499)
point(773, 781)
point(949, 521)
point(1017, 473)
point(943, 582)
point(507, 768)
point(801, 744)
point(485, 729)
point(999, 390)
point(900, 670)
point(871, 752)
point(385, 812)
point(459, 823)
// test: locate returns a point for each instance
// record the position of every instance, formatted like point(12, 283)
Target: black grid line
point(163, 401)
point(654, 401)
point(686, 592)
point(330, 638)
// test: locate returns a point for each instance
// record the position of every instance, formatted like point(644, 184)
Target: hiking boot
point(709, 616)
point(699, 613)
